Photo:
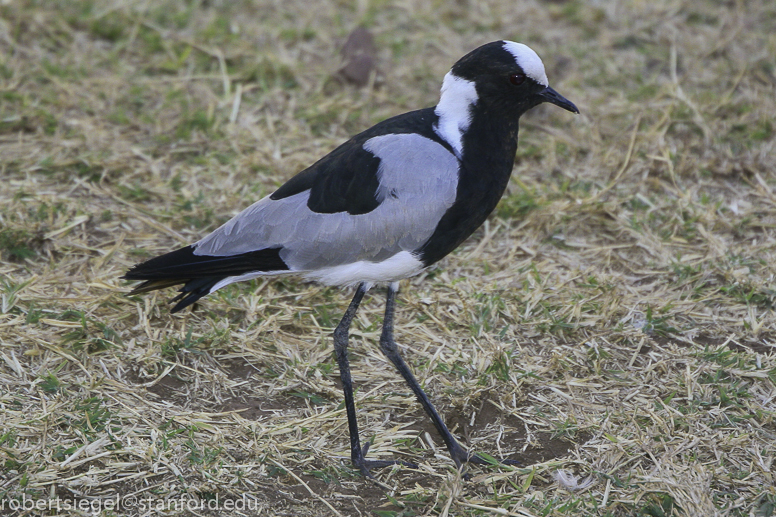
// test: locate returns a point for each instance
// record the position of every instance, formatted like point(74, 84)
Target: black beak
point(553, 97)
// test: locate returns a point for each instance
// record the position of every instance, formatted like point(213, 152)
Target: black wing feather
point(199, 273)
point(345, 180)
point(183, 264)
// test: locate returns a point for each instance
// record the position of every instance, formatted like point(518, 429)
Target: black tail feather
point(153, 285)
point(183, 264)
point(193, 291)
point(199, 273)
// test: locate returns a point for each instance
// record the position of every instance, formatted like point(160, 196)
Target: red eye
point(517, 79)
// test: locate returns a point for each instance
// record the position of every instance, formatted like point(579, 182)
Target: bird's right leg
point(357, 454)
point(391, 351)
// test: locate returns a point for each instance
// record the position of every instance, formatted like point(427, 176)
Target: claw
point(365, 466)
point(461, 456)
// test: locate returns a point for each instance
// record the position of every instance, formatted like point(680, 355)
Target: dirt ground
point(611, 326)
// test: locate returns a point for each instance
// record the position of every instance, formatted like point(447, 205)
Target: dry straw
point(611, 325)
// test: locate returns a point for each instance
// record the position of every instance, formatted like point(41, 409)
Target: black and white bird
point(381, 207)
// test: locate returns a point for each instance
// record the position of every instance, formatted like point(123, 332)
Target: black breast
point(488, 157)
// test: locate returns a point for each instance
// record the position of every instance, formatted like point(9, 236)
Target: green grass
point(619, 301)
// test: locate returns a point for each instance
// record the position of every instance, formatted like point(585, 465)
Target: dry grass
point(612, 325)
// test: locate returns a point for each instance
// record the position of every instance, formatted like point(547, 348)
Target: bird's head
point(501, 78)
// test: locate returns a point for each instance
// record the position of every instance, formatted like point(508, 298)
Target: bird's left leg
point(389, 348)
point(357, 454)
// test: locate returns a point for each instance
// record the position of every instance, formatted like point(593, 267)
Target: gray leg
point(389, 348)
point(357, 454)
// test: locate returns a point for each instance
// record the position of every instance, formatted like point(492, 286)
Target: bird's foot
point(461, 456)
point(365, 466)
point(479, 460)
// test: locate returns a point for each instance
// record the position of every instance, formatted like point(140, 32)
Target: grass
point(612, 320)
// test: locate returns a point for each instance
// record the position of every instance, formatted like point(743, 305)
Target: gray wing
point(417, 184)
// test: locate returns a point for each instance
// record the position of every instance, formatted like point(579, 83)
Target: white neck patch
point(457, 98)
point(528, 60)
